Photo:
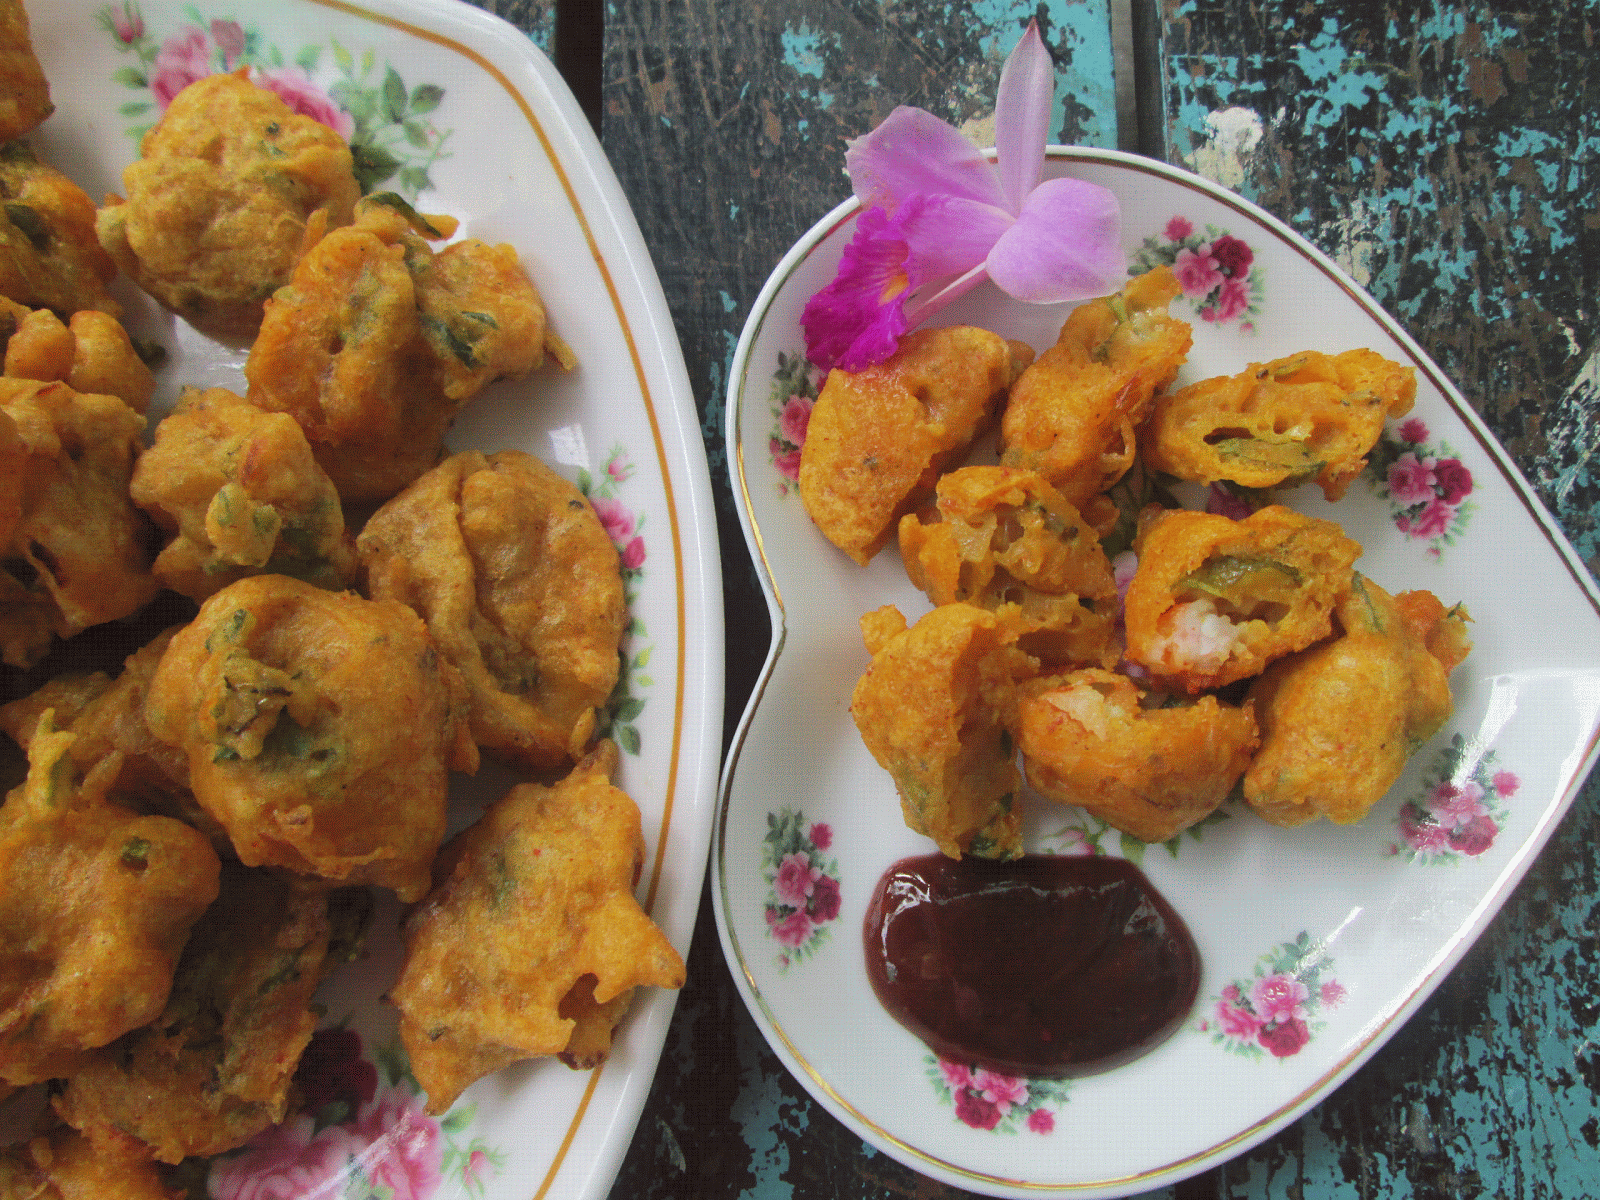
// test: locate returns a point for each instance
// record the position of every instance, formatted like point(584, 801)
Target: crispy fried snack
point(230, 186)
point(521, 588)
point(532, 940)
point(376, 343)
point(79, 552)
point(1001, 535)
point(91, 353)
point(932, 707)
point(1072, 415)
point(1339, 721)
point(63, 1165)
point(319, 729)
point(97, 904)
point(213, 1069)
point(239, 493)
point(1309, 416)
point(24, 91)
point(879, 438)
point(106, 716)
point(1215, 600)
point(1147, 765)
point(49, 257)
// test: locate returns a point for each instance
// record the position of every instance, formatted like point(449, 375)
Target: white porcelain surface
point(508, 152)
point(1371, 921)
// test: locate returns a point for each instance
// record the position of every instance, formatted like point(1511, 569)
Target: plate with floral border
point(460, 113)
point(1317, 943)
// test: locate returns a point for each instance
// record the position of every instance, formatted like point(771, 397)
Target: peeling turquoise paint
point(728, 302)
point(802, 50)
point(767, 1116)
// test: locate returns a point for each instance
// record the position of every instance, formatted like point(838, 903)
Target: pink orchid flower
point(938, 218)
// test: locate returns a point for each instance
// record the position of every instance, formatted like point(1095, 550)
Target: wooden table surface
point(1446, 153)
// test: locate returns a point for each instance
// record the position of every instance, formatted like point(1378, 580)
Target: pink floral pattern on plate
point(624, 525)
point(361, 1131)
point(1086, 834)
point(1275, 1011)
point(1216, 270)
point(802, 886)
point(1427, 487)
point(1459, 812)
point(986, 1099)
point(392, 139)
point(794, 392)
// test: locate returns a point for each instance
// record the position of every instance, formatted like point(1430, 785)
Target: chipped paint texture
point(1436, 154)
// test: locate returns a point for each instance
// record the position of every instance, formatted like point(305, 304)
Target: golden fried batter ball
point(238, 493)
point(534, 906)
point(214, 1068)
point(932, 707)
point(1001, 535)
point(1141, 762)
point(319, 729)
point(97, 904)
point(49, 257)
point(106, 715)
point(63, 1165)
point(880, 437)
point(79, 552)
point(230, 186)
point(521, 588)
point(1072, 415)
point(91, 353)
point(24, 91)
point(1215, 600)
point(1339, 720)
point(376, 343)
point(1307, 416)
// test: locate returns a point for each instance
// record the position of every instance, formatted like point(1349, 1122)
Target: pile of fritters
point(190, 835)
point(1143, 660)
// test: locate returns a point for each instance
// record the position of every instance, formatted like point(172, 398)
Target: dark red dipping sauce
point(1043, 967)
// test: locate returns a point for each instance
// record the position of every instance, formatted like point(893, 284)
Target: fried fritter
point(534, 908)
point(521, 588)
point(97, 904)
point(376, 343)
point(1215, 600)
point(933, 708)
point(1140, 762)
point(1340, 720)
point(319, 729)
point(106, 715)
point(24, 90)
point(879, 438)
point(91, 353)
point(230, 186)
point(1072, 415)
point(1305, 417)
point(63, 1165)
point(1000, 535)
point(239, 493)
point(49, 257)
point(214, 1068)
point(79, 553)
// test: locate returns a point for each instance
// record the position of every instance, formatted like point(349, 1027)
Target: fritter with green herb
point(319, 728)
point(238, 493)
point(230, 186)
point(533, 942)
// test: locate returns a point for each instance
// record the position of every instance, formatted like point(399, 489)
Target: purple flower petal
point(1065, 246)
point(913, 151)
point(858, 318)
point(949, 235)
point(1022, 116)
